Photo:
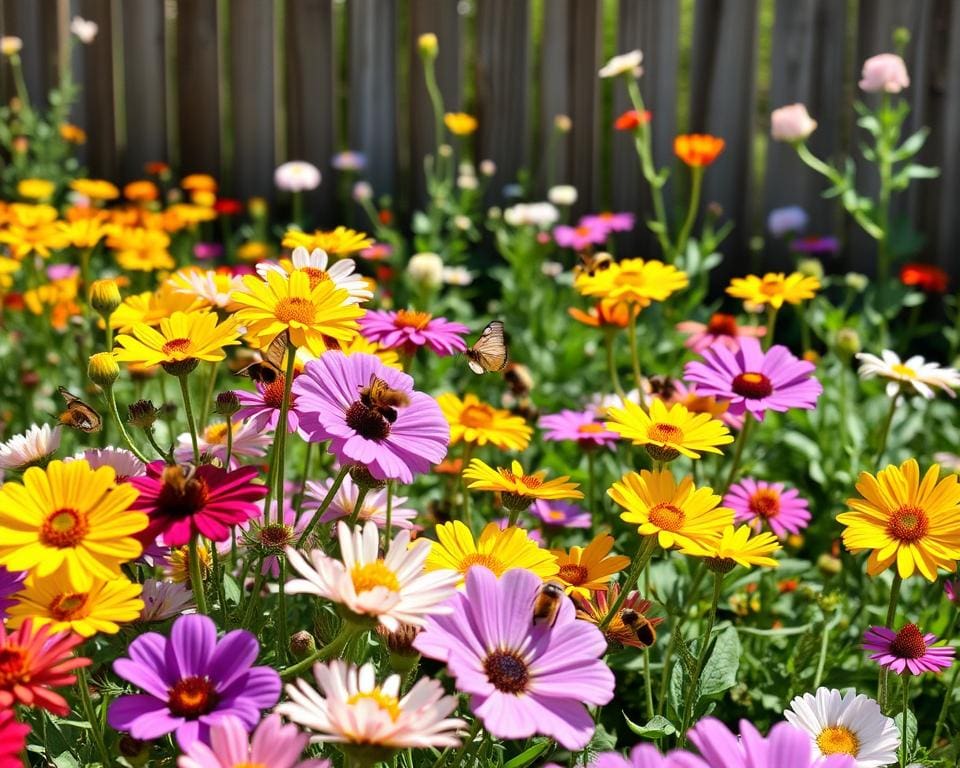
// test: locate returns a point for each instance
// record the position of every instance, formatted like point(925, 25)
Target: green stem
point(885, 432)
point(151, 437)
point(947, 698)
point(640, 560)
point(83, 684)
point(822, 658)
point(282, 639)
point(608, 338)
point(191, 424)
point(208, 398)
point(701, 657)
point(771, 326)
point(355, 515)
point(436, 100)
point(297, 199)
point(885, 170)
point(331, 649)
point(648, 683)
point(457, 760)
point(891, 615)
point(635, 354)
point(19, 83)
point(112, 402)
point(226, 461)
point(738, 451)
point(467, 514)
point(591, 481)
point(218, 582)
point(337, 482)
point(905, 679)
point(696, 183)
point(276, 487)
point(643, 144)
point(196, 580)
point(693, 594)
point(254, 594)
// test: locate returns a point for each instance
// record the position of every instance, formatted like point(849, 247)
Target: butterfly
point(79, 415)
point(489, 352)
point(591, 263)
point(269, 369)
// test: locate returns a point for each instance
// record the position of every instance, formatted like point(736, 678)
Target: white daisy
point(849, 724)
point(296, 176)
point(915, 372)
point(624, 64)
point(124, 463)
point(165, 599)
point(248, 441)
point(213, 287)
point(353, 709)
point(30, 447)
point(345, 500)
point(395, 589)
point(317, 266)
point(457, 276)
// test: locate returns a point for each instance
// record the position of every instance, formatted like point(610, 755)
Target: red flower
point(697, 149)
point(926, 277)
point(386, 217)
point(33, 662)
point(13, 737)
point(631, 120)
point(227, 206)
point(208, 501)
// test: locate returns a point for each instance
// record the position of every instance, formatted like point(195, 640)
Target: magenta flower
point(581, 237)
point(11, 582)
point(755, 381)
point(758, 502)
point(560, 514)
point(612, 222)
point(579, 426)
point(210, 501)
point(263, 406)
point(191, 681)
point(409, 330)
point(273, 744)
point(719, 329)
point(523, 679)
point(907, 651)
point(951, 588)
point(409, 443)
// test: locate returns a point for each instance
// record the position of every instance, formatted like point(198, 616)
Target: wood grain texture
point(946, 233)
point(34, 22)
point(97, 92)
point(197, 87)
point(144, 87)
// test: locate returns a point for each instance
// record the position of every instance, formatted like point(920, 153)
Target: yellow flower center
point(590, 429)
point(192, 697)
point(477, 416)
point(407, 318)
point(486, 561)
point(295, 311)
point(667, 517)
point(316, 276)
point(838, 740)
point(664, 433)
point(908, 523)
point(64, 528)
point(177, 347)
point(765, 503)
point(67, 605)
point(216, 434)
point(903, 370)
point(574, 574)
point(771, 287)
point(372, 575)
point(384, 701)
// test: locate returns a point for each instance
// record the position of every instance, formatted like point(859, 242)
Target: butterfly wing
point(276, 350)
point(489, 353)
point(78, 414)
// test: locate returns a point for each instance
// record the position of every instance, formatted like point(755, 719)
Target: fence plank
point(442, 18)
point(311, 98)
point(501, 81)
point(654, 28)
point(97, 91)
point(572, 48)
point(373, 94)
point(34, 22)
point(809, 40)
point(144, 87)
point(198, 111)
point(252, 88)
point(948, 223)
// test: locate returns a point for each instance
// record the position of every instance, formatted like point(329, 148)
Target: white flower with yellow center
point(369, 718)
point(914, 372)
point(248, 441)
point(394, 589)
point(32, 447)
point(624, 64)
point(317, 267)
point(212, 287)
point(848, 724)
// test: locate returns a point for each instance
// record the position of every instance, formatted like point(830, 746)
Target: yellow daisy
point(100, 608)
point(95, 189)
point(518, 488)
point(69, 517)
point(635, 281)
point(774, 288)
point(84, 233)
point(31, 229)
point(150, 307)
point(586, 569)
point(339, 241)
point(737, 547)
point(496, 549)
point(460, 123)
point(678, 514)
point(362, 345)
point(182, 340)
point(668, 433)
point(287, 302)
point(477, 423)
point(178, 564)
point(138, 249)
point(36, 189)
point(906, 520)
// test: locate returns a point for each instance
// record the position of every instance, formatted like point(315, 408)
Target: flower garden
point(276, 496)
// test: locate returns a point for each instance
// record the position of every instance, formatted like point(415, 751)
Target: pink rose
point(885, 72)
point(791, 123)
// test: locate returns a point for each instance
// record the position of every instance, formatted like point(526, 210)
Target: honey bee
point(379, 397)
point(269, 369)
point(662, 386)
point(547, 604)
point(640, 625)
point(591, 263)
point(79, 415)
point(179, 476)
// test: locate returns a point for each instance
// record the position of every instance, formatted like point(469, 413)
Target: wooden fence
point(234, 87)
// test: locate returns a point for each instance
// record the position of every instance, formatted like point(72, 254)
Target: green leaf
point(526, 757)
point(656, 728)
point(911, 730)
point(911, 146)
point(231, 590)
point(720, 671)
point(66, 760)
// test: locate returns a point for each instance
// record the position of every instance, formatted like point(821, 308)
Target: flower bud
point(810, 268)
point(363, 479)
point(856, 281)
point(257, 207)
point(103, 369)
point(425, 270)
point(10, 45)
point(848, 341)
point(180, 367)
point(562, 194)
point(142, 414)
point(428, 46)
point(105, 297)
point(227, 403)
point(302, 644)
point(791, 123)
point(829, 565)
point(487, 168)
point(362, 191)
point(884, 73)
point(562, 123)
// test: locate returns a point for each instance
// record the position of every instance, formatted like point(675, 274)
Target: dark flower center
point(367, 422)
point(12, 659)
point(179, 496)
point(273, 393)
point(176, 346)
point(573, 574)
point(765, 503)
point(722, 325)
point(506, 671)
point(753, 386)
point(192, 697)
point(64, 528)
point(65, 606)
point(908, 524)
point(909, 643)
point(276, 535)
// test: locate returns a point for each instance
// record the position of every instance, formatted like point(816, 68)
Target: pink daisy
point(758, 502)
point(581, 237)
point(612, 222)
point(755, 381)
point(688, 396)
point(560, 514)
point(719, 329)
point(409, 330)
point(262, 407)
point(345, 500)
point(907, 651)
point(392, 443)
point(579, 426)
point(951, 588)
point(273, 744)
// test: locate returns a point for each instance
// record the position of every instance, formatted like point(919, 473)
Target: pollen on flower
point(296, 310)
point(664, 433)
point(903, 370)
point(909, 643)
point(316, 276)
point(753, 386)
point(489, 562)
point(573, 573)
point(177, 347)
point(908, 523)
point(64, 528)
point(407, 318)
point(192, 697)
point(384, 701)
point(507, 671)
point(67, 605)
point(273, 393)
point(765, 503)
point(373, 575)
point(838, 740)
point(216, 434)
point(667, 517)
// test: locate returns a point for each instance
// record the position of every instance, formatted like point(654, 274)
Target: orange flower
point(697, 149)
point(926, 277)
point(604, 314)
point(141, 191)
point(631, 120)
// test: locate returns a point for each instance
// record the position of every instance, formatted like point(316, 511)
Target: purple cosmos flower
point(11, 582)
point(815, 245)
point(262, 407)
point(581, 237)
point(398, 444)
point(207, 251)
point(612, 222)
point(758, 502)
point(190, 681)
point(560, 514)
point(951, 588)
point(273, 744)
point(409, 330)
point(908, 650)
point(755, 381)
point(523, 678)
point(581, 426)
